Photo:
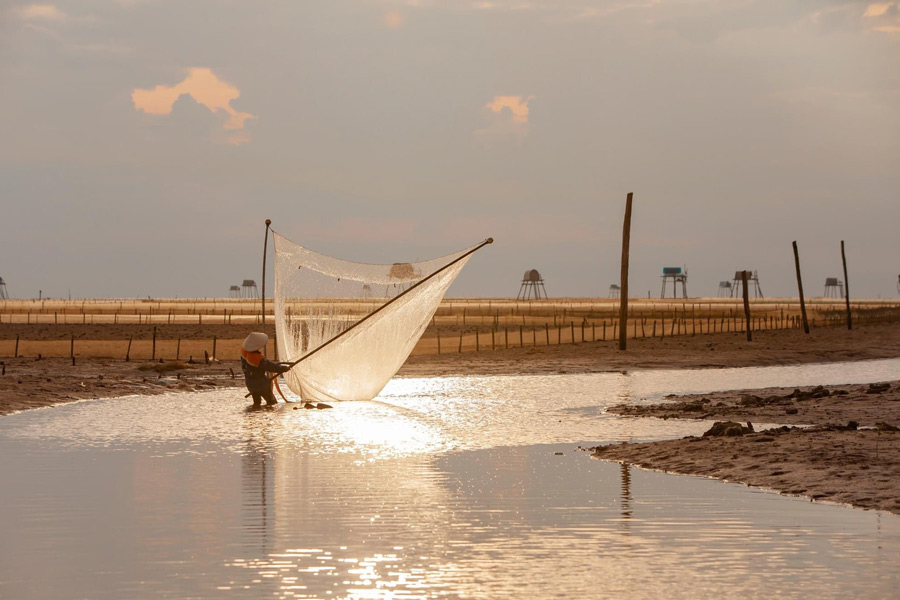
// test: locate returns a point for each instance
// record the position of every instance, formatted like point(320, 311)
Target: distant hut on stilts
point(532, 285)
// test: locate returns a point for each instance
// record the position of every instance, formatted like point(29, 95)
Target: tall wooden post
point(846, 286)
point(800, 287)
point(746, 304)
point(263, 293)
point(623, 285)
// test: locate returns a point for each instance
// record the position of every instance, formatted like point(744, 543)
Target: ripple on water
point(444, 487)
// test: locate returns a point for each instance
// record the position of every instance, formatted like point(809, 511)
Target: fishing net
point(384, 310)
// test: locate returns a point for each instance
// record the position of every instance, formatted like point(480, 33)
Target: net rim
point(364, 264)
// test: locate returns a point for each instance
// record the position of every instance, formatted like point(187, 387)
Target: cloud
point(41, 11)
point(507, 116)
point(202, 85)
point(883, 17)
point(517, 106)
point(394, 19)
point(876, 10)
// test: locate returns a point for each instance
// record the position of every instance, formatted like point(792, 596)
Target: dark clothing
point(256, 368)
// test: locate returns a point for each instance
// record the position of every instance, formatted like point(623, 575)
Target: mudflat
point(845, 446)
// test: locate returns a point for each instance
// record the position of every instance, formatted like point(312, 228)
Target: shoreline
point(840, 443)
point(826, 461)
point(35, 383)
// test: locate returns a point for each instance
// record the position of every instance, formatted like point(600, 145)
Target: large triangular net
point(318, 297)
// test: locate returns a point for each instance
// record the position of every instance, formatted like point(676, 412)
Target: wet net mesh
point(318, 297)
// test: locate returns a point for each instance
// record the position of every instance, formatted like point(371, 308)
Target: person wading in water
point(256, 368)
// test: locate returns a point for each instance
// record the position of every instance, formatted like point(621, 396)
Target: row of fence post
point(678, 325)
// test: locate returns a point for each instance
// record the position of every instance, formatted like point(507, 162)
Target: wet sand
point(709, 351)
point(839, 443)
point(29, 383)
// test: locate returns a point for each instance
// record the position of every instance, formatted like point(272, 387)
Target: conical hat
point(255, 341)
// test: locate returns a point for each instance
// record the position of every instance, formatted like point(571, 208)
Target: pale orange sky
point(389, 131)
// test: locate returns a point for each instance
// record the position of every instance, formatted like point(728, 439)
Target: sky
point(145, 142)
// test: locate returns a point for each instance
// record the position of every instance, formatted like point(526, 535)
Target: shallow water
point(443, 488)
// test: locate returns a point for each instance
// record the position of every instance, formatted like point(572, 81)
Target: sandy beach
point(828, 461)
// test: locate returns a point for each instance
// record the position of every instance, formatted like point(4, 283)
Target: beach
point(829, 461)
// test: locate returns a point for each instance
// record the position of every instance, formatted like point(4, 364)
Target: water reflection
point(451, 488)
point(626, 493)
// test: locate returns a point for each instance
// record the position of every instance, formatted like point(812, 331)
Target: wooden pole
point(263, 292)
point(16, 352)
point(746, 304)
point(800, 287)
point(623, 285)
point(846, 287)
point(128, 351)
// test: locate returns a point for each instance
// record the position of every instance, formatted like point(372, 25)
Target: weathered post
point(128, 351)
point(800, 287)
point(846, 287)
point(263, 292)
point(623, 285)
point(153, 352)
point(746, 304)
point(16, 351)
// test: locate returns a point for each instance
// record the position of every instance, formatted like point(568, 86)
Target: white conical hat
point(255, 341)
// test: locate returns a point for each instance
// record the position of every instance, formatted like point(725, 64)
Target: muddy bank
point(29, 383)
point(850, 454)
point(722, 350)
point(867, 404)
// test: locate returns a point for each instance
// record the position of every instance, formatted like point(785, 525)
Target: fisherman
point(256, 368)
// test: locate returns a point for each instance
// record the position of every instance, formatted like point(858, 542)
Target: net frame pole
point(386, 304)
